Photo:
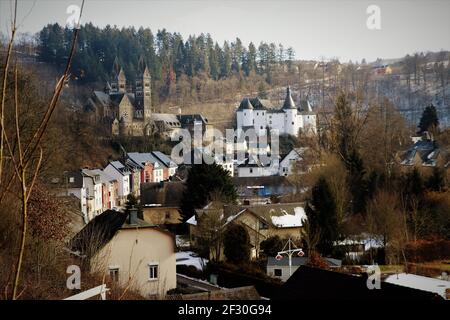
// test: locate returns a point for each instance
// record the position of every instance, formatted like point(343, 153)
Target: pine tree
point(429, 119)
point(322, 217)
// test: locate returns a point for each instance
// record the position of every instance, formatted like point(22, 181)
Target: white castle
point(289, 120)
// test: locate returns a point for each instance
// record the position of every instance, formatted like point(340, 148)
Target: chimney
point(132, 216)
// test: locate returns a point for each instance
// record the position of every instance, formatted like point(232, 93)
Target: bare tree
point(26, 166)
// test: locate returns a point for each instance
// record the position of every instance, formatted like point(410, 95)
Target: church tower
point(121, 81)
point(147, 94)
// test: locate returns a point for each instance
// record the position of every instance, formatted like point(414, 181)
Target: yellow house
point(130, 252)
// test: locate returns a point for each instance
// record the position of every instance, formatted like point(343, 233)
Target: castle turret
point(245, 113)
point(291, 124)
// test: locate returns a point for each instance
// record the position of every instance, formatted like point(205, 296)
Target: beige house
point(130, 252)
point(159, 215)
point(261, 222)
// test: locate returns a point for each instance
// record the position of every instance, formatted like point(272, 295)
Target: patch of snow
point(192, 220)
point(288, 220)
point(181, 241)
point(419, 282)
point(189, 258)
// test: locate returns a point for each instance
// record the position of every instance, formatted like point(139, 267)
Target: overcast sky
point(314, 29)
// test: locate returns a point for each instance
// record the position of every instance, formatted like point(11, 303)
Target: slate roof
point(426, 150)
point(120, 167)
point(245, 104)
point(165, 159)
point(188, 119)
point(77, 179)
point(288, 101)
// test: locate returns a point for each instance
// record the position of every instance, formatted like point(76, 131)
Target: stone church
point(126, 108)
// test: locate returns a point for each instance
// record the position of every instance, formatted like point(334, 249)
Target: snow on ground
point(419, 282)
point(290, 220)
point(190, 258)
point(182, 241)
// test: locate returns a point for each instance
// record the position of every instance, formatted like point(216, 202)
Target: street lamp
point(292, 248)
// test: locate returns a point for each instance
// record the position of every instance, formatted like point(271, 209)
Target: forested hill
point(167, 55)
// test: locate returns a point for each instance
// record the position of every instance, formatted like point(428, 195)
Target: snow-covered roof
point(192, 220)
point(419, 282)
point(290, 220)
point(189, 258)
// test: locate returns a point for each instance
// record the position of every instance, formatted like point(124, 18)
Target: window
point(114, 274)
point(167, 215)
point(262, 127)
point(292, 122)
point(153, 271)
point(277, 272)
point(71, 179)
point(251, 170)
point(263, 225)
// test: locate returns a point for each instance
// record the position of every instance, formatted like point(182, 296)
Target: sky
point(315, 29)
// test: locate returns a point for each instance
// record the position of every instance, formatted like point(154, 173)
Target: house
point(121, 173)
point(94, 192)
point(149, 160)
point(260, 221)
point(255, 168)
point(161, 215)
point(287, 162)
point(424, 154)
point(110, 190)
point(280, 268)
point(356, 246)
point(75, 186)
point(170, 166)
point(260, 189)
point(129, 251)
point(193, 121)
point(309, 283)
point(135, 177)
point(165, 193)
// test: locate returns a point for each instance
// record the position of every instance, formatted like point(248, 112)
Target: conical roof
point(288, 102)
point(245, 104)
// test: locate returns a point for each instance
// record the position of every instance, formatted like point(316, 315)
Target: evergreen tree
point(322, 217)
point(237, 244)
point(429, 119)
point(203, 181)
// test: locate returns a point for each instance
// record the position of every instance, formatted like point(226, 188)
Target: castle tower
point(291, 125)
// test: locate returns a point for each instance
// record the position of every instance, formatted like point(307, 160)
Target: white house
point(75, 185)
point(167, 161)
point(287, 162)
point(109, 191)
point(252, 113)
point(119, 172)
point(93, 184)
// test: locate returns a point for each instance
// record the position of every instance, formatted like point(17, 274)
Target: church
point(126, 108)
point(288, 120)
